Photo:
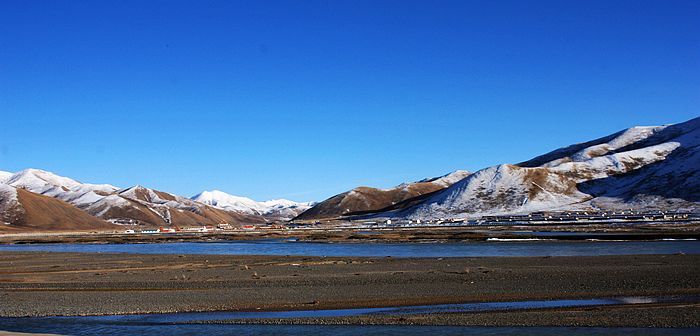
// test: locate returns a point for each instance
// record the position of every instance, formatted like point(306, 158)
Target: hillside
point(22, 210)
point(367, 199)
point(653, 167)
point(63, 188)
point(141, 205)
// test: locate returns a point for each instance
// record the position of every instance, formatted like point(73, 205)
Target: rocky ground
point(42, 284)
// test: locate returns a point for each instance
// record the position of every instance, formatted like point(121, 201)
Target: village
point(533, 219)
point(203, 229)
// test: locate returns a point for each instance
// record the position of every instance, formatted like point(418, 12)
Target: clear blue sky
point(306, 99)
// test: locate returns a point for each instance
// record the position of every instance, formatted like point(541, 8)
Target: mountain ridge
point(642, 167)
point(282, 209)
point(573, 176)
point(368, 199)
point(105, 203)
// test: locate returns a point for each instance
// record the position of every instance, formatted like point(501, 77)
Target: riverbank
point(610, 231)
point(45, 284)
point(682, 315)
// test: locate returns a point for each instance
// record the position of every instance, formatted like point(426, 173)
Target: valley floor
point(600, 231)
point(46, 284)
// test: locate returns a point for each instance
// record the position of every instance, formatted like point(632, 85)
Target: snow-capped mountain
point(641, 167)
point(366, 199)
point(24, 210)
point(64, 188)
point(223, 200)
point(651, 167)
point(281, 209)
point(134, 205)
point(36, 199)
point(139, 204)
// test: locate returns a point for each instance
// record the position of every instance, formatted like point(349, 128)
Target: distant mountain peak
point(280, 208)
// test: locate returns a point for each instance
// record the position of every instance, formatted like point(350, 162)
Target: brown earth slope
point(365, 199)
point(38, 212)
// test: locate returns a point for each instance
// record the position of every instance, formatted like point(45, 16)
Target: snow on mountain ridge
point(141, 193)
point(634, 135)
point(280, 207)
point(5, 176)
point(37, 179)
point(448, 179)
point(617, 141)
point(142, 205)
point(224, 200)
point(105, 204)
point(138, 204)
point(284, 203)
point(64, 188)
point(639, 160)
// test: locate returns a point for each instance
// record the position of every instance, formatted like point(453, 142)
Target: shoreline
point(75, 284)
point(617, 316)
point(674, 315)
point(440, 234)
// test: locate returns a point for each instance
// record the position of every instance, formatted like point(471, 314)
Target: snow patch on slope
point(8, 194)
point(628, 137)
point(10, 208)
point(448, 179)
point(102, 206)
point(5, 176)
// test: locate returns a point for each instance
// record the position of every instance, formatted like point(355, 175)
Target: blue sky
point(306, 99)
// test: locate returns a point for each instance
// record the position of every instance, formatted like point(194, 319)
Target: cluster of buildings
point(588, 216)
point(535, 218)
point(194, 229)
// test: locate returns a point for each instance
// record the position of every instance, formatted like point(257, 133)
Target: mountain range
point(643, 168)
point(36, 199)
point(280, 209)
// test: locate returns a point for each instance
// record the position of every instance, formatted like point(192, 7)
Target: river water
point(205, 323)
point(400, 250)
point(73, 327)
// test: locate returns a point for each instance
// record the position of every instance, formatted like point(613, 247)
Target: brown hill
point(365, 199)
point(27, 211)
